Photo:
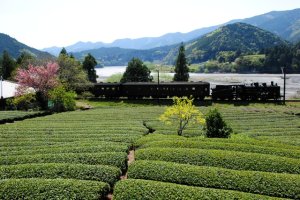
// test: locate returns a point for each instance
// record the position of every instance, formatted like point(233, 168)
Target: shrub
point(146, 190)
point(118, 159)
point(63, 100)
point(247, 181)
point(220, 158)
point(24, 102)
point(108, 174)
point(216, 126)
point(40, 189)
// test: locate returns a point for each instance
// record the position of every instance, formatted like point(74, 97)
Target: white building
point(7, 89)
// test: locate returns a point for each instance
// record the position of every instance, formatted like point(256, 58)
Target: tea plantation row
point(246, 166)
point(73, 155)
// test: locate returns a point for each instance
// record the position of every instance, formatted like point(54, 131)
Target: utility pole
point(158, 92)
point(283, 69)
point(2, 99)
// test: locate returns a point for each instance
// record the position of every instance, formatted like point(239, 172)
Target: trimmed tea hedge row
point(48, 141)
point(265, 183)
point(71, 149)
point(206, 144)
point(161, 137)
point(118, 159)
point(15, 116)
point(148, 190)
point(40, 189)
point(64, 147)
point(220, 158)
point(108, 174)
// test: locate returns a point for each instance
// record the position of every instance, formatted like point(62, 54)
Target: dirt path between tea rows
point(130, 160)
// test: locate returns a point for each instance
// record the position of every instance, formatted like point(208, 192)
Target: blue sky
point(45, 23)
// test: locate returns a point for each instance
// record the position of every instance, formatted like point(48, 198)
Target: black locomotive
point(199, 90)
point(254, 91)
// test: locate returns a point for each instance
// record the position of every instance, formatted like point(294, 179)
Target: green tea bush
point(40, 189)
point(220, 158)
point(213, 144)
point(118, 159)
point(265, 183)
point(216, 127)
point(152, 190)
point(108, 174)
point(71, 149)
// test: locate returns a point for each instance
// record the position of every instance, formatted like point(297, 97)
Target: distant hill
point(233, 37)
point(285, 24)
point(15, 48)
point(241, 37)
point(113, 56)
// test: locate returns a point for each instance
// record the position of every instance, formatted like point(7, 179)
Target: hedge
point(146, 190)
point(108, 174)
point(40, 189)
point(71, 149)
point(265, 183)
point(160, 137)
point(207, 144)
point(118, 159)
point(219, 158)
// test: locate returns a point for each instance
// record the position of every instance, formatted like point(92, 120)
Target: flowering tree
point(40, 78)
point(182, 113)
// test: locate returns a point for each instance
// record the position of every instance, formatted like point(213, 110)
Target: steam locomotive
point(199, 90)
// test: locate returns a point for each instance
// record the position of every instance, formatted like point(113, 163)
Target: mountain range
point(15, 48)
point(285, 24)
point(237, 37)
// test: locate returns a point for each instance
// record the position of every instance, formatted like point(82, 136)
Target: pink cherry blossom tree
point(40, 78)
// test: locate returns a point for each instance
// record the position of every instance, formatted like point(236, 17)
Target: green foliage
point(136, 71)
point(40, 189)
point(181, 68)
point(220, 158)
point(8, 66)
point(216, 126)
point(146, 190)
point(264, 183)
point(63, 100)
point(108, 174)
point(71, 74)
point(117, 159)
point(181, 114)
point(24, 102)
point(215, 143)
point(250, 63)
point(283, 56)
point(89, 65)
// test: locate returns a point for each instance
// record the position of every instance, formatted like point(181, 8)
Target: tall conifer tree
point(181, 68)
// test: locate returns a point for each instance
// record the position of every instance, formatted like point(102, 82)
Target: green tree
point(63, 51)
point(216, 127)
point(136, 71)
point(89, 65)
point(71, 74)
point(182, 113)
point(181, 68)
point(8, 65)
point(63, 100)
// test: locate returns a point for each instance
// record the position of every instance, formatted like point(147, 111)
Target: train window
point(113, 88)
point(193, 88)
point(186, 89)
point(102, 88)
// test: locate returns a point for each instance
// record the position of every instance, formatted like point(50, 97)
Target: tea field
point(83, 154)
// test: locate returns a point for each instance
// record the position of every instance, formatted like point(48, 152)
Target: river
point(292, 80)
